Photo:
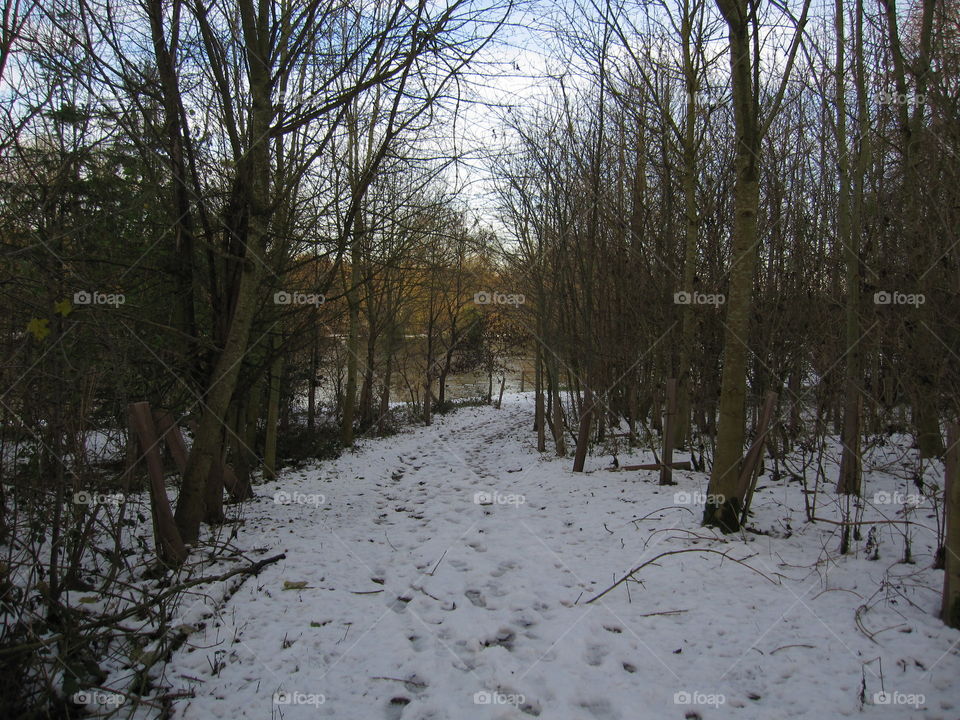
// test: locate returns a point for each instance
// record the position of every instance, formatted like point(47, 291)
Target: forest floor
point(405, 594)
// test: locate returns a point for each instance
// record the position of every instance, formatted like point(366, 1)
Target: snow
point(447, 571)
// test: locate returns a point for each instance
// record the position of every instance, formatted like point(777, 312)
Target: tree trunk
point(255, 166)
point(950, 610)
point(583, 436)
point(723, 506)
point(273, 413)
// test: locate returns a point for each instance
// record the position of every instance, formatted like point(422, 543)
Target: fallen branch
point(803, 645)
point(415, 683)
point(629, 575)
point(252, 569)
point(679, 465)
point(662, 612)
point(851, 523)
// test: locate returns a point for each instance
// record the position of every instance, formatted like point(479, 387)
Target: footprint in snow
point(395, 707)
point(476, 598)
point(595, 655)
point(600, 708)
point(399, 604)
point(524, 619)
point(504, 638)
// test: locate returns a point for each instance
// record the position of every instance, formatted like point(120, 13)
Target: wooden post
point(170, 548)
point(669, 428)
point(950, 610)
point(748, 474)
point(503, 382)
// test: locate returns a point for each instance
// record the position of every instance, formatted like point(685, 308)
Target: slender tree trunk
point(385, 396)
point(255, 164)
point(538, 414)
point(312, 388)
point(353, 349)
point(691, 230)
point(273, 413)
point(849, 219)
point(723, 507)
point(950, 610)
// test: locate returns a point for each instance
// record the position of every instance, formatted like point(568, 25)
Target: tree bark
point(724, 477)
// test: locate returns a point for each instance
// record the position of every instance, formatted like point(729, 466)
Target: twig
point(415, 683)
point(791, 646)
point(253, 569)
point(652, 560)
point(438, 563)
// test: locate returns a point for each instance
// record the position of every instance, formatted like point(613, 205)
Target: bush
point(299, 443)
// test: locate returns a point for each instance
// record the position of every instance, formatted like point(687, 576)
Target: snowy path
point(418, 598)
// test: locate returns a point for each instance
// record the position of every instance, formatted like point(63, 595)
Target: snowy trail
point(421, 602)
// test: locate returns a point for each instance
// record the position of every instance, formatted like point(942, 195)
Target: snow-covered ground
point(445, 573)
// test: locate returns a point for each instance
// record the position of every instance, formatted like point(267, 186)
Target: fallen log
point(680, 465)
